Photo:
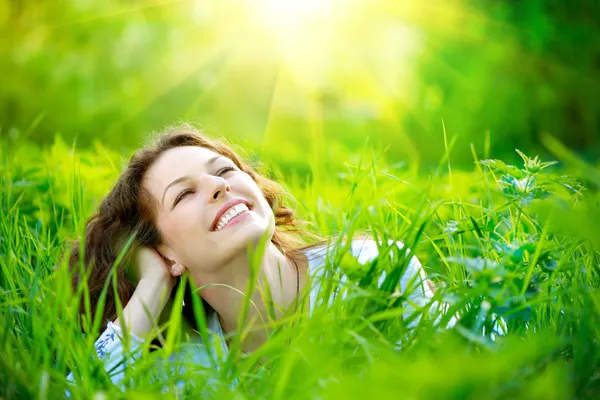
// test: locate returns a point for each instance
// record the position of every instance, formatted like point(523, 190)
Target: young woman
point(193, 206)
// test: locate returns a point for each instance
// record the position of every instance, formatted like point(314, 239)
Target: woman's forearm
point(145, 306)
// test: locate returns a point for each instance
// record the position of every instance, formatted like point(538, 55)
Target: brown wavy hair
point(129, 211)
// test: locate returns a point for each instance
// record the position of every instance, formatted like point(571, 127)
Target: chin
point(249, 234)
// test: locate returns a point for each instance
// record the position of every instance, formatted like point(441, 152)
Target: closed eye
point(181, 195)
point(225, 170)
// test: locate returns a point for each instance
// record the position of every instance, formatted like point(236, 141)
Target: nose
point(218, 188)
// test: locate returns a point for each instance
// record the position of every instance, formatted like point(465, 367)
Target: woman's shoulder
point(322, 258)
point(366, 250)
point(363, 249)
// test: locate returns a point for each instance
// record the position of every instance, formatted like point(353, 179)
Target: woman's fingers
point(150, 264)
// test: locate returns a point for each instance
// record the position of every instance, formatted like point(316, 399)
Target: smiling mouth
point(231, 215)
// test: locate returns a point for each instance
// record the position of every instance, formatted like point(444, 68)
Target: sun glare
point(283, 13)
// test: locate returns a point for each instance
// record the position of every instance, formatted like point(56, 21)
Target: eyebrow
point(186, 177)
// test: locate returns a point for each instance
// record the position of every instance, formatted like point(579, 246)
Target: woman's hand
point(152, 266)
point(151, 293)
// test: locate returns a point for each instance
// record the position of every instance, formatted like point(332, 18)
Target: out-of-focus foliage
point(306, 78)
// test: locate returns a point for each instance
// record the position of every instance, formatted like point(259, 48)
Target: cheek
point(268, 215)
point(263, 207)
point(178, 227)
point(249, 189)
point(252, 188)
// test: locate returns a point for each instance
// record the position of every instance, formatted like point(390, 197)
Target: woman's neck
point(285, 278)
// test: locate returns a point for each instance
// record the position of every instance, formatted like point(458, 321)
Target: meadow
point(468, 131)
point(500, 241)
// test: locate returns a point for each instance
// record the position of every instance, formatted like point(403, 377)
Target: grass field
point(518, 243)
point(394, 119)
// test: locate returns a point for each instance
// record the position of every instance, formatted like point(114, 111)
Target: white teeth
point(230, 214)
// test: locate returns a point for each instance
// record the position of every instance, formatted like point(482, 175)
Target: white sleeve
point(110, 349)
point(413, 281)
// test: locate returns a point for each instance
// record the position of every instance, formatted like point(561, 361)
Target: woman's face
point(208, 209)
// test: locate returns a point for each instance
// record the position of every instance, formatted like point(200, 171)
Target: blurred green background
point(306, 80)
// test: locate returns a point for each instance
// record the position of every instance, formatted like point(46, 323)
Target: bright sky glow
point(283, 13)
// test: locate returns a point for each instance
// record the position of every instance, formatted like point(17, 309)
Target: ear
point(175, 267)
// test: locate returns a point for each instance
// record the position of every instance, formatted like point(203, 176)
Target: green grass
point(516, 242)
